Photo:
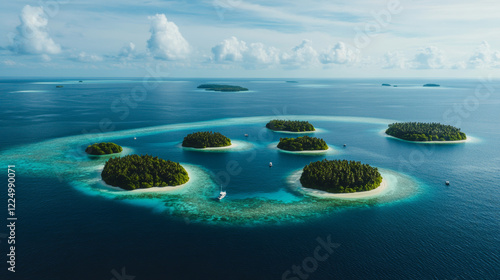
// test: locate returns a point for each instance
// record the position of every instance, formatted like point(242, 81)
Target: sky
point(237, 38)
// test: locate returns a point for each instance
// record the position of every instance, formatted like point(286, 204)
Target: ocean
point(71, 226)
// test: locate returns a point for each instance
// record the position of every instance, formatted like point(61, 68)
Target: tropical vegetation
point(304, 143)
point(293, 126)
point(145, 171)
point(206, 139)
point(340, 176)
point(416, 131)
point(103, 148)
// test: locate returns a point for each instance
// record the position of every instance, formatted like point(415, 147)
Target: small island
point(431, 85)
point(99, 149)
point(292, 126)
point(416, 131)
point(340, 176)
point(145, 171)
point(206, 139)
point(217, 87)
point(292, 82)
point(386, 85)
point(304, 143)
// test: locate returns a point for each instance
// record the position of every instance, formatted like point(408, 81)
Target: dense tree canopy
point(304, 143)
point(103, 148)
point(134, 172)
point(216, 87)
point(340, 176)
point(294, 126)
point(206, 139)
point(415, 131)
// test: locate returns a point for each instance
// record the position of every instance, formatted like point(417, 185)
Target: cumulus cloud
point(31, 35)
point(302, 55)
point(394, 60)
point(254, 55)
point(428, 58)
point(166, 41)
point(484, 57)
point(127, 51)
point(230, 49)
point(339, 54)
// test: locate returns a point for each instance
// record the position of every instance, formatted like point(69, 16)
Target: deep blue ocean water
point(69, 228)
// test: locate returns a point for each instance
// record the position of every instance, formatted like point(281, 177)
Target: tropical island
point(138, 172)
point(416, 131)
point(103, 148)
point(206, 139)
point(340, 176)
point(217, 87)
point(304, 143)
point(431, 85)
point(292, 126)
point(386, 85)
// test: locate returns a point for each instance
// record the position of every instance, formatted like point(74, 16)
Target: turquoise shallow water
point(419, 229)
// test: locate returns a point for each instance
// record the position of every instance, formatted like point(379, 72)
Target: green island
point(340, 176)
point(217, 87)
point(292, 126)
point(304, 143)
point(416, 131)
point(138, 172)
point(431, 85)
point(206, 139)
point(99, 149)
point(386, 85)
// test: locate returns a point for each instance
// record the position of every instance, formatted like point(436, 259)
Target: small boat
point(222, 194)
point(447, 183)
point(135, 138)
point(246, 135)
point(270, 164)
point(345, 145)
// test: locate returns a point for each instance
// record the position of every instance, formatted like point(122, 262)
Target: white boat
point(447, 183)
point(222, 194)
point(270, 164)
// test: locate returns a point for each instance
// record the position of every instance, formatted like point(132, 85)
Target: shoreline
point(469, 139)
point(166, 189)
point(233, 145)
point(295, 178)
point(236, 145)
point(330, 150)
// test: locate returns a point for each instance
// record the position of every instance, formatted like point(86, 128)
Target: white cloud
point(254, 55)
point(428, 58)
point(32, 36)
point(85, 57)
point(230, 49)
point(127, 51)
point(484, 57)
point(394, 60)
point(302, 55)
point(339, 54)
point(166, 41)
point(9, 62)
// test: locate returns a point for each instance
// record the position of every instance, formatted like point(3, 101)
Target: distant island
point(216, 87)
point(292, 82)
point(340, 176)
point(431, 85)
point(416, 131)
point(206, 139)
point(304, 143)
point(386, 85)
point(292, 126)
point(139, 172)
point(99, 149)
